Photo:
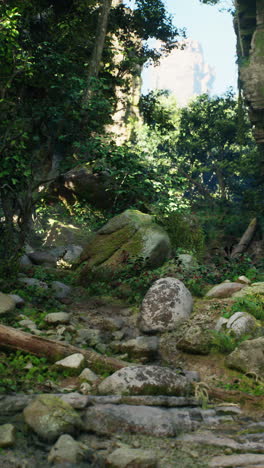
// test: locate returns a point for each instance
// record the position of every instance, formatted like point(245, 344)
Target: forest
point(106, 194)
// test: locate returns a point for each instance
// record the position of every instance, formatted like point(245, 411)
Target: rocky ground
point(176, 403)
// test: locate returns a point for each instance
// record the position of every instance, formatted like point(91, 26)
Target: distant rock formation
point(249, 27)
point(183, 72)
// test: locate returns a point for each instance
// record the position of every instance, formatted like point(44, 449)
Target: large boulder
point(131, 235)
point(166, 305)
point(248, 357)
point(84, 183)
point(147, 380)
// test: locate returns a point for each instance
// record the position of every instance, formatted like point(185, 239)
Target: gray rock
point(67, 450)
point(61, 290)
point(241, 323)
point(89, 336)
point(126, 457)
point(113, 323)
point(7, 435)
point(42, 258)
point(248, 357)
point(243, 279)
point(195, 340)
point(187, 261)
point(25, 261)
point(33, 282)
point(142, 346)
point(7, 304)
point(56, 318)
point(74, 363)
point(88, 375)
point(146, 380)
point(50, 417)
point(27, 323)
point(73, 253)
point(18, 300)
point(225, 290)
point(167, 304)
point(111, 419)
point(247, 460)
point(85, 388)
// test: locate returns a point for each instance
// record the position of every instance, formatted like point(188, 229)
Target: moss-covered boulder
point(49, 417)
point(252, 290)
point(131, 235)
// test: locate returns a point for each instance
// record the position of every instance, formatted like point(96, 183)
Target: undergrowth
point(21, 372)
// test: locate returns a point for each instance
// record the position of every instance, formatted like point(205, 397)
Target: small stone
point(7, 435)
point(88, 375)
point(228, 451)
point(136, 444)
point(27, 323)
point(57, 317)
point(227, 410)
point(127, 457)
point(74, 363)
point(244, 280)
point(7, 304)
point(67, 450)
point(85, 388)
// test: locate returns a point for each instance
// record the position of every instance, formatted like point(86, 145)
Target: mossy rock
point(131, 235)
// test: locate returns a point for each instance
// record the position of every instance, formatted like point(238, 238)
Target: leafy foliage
point(22, 372)
point(253, 304)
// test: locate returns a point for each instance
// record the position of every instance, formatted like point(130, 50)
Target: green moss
point(259, 43)
point(104, 246)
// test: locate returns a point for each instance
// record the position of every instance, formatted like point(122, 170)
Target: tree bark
point(245, 239)
point(235, 396)
point(14, 339)
point(99, 43)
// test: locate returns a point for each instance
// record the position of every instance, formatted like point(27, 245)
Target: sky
point(214, 30)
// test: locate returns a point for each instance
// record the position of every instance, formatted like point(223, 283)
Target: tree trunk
point(14, 339)
point(99, 43)
point(245, 239)
point(235, 396)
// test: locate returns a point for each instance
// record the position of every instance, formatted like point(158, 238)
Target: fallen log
point(245, 240)
point(235, 396)
point(14, 339)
